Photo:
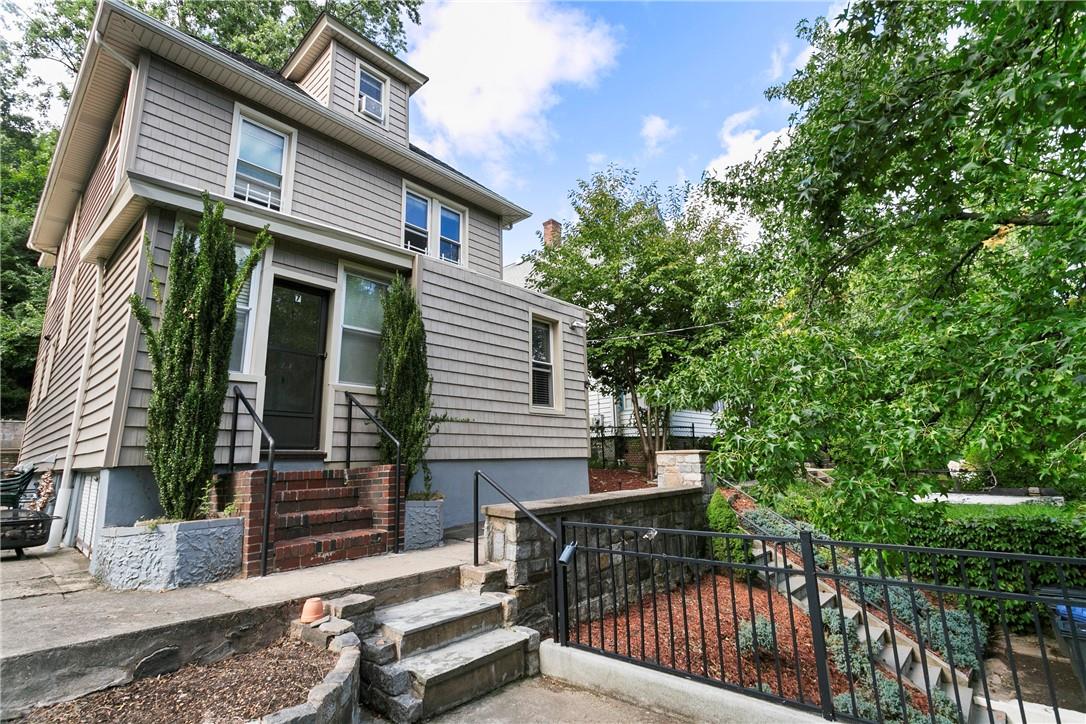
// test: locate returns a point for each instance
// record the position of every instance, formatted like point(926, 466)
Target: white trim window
point(434, 226)
point(241, 349)
point(543, 348)
point(360, 333)
point(261, 160)
point(372, 94)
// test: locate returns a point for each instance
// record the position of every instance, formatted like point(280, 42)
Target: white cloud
point(743, 144)
point(495, 70)
point(596, 161)
point(777, 60)
point(655, 132)
point(780, 64)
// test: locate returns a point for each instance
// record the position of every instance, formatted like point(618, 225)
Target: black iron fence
point(853, 631)
point(620, 445)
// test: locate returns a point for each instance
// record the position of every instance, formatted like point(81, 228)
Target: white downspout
point(64, 494)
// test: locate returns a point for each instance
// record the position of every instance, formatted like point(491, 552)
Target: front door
point(295, 365)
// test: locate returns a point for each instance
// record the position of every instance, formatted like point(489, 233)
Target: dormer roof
point(326, 29)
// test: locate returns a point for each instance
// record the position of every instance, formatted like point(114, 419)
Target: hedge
point(1033, 529)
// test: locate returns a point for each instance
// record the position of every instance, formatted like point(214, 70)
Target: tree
point(25, 150)
point(917, 293)
point(403, 380)
point(190, 356)
point(262, 30)
point(630, 259)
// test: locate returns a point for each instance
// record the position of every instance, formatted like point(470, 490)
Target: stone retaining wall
point(333, 701)
point(514, 541)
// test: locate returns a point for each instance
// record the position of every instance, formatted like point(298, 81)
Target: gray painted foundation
point(126, 495)
point(525, 479)
point(169, 555)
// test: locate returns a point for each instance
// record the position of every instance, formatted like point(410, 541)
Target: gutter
point(64, 494)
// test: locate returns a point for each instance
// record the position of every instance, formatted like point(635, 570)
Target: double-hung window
point(542, 363)
point(361, 334)
point(371, 95)
point(433, 226)
point(416, 224)
point(451, 222)
point(262, 156)
point(243, 322)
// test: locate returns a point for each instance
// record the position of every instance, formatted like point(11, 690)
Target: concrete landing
point(546, 701)
point(91, 638)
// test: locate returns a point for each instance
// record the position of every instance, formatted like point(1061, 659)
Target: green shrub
point(757, 635)
point(190, 356)
point(864, 709)
point(890, 698)
point(722, 519)
point(962, 641)
point(1035, 529)
point(841, 637)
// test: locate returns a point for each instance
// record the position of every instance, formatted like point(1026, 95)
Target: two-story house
point(318, 151)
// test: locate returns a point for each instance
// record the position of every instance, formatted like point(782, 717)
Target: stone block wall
point(518, 543)
point(682, 468)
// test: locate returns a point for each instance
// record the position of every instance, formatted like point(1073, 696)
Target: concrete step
point(465, 670)
point(796, 585)
point(318, 522)
point(315, 550)
point(935, 674)
point(904, 657)
point(324, 498)
point(436, 621)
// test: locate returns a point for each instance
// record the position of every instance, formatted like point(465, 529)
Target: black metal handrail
point(556, 578)
point(239, 397)
point(353, 402)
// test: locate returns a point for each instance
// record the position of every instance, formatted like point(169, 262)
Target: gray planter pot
point(424, 524)
point(169, 555)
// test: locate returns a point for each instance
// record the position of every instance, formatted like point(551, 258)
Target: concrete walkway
point(50, 601)
point(548, 701)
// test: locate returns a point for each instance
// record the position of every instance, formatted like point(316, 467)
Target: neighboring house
point(318, 152)
point(614, 413)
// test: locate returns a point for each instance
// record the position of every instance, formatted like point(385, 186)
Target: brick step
point(316, 550)
point(317, 522)
point(299, 501)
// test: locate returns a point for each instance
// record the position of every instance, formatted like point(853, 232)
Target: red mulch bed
point(715, 653)
point(740, 501)
point(609, 480)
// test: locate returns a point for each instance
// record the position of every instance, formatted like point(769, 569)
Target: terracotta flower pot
point(312, 609)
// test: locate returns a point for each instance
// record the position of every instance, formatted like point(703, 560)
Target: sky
point(527, 98)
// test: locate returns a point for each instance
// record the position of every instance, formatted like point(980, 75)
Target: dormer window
point(372, 91)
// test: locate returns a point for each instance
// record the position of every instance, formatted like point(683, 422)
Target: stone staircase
point(431, 654)
point(898, 653)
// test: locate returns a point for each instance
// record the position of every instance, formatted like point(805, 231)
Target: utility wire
point(656, 334)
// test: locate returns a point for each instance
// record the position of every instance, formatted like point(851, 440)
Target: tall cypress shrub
point(190, 356)
point(403, 380)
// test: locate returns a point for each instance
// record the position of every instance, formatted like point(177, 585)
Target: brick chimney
point(552, 233)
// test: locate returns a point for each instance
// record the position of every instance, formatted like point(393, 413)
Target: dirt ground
point(609, 480)
point(236, 689)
